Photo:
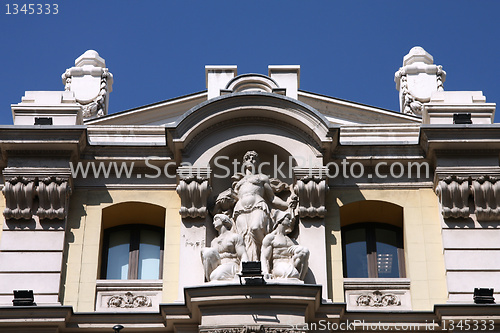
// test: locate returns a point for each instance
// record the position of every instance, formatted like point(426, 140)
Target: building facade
point(253, 206)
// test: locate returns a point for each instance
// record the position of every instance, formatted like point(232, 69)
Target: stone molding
point(193, 189)
point(46, 190)
point(455, 190)
point(311, 188)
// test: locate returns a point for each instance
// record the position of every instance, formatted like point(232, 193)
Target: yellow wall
point(422, 242)
point(84, 235)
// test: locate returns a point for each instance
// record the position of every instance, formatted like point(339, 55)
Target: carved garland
point(129, 301)
point(21, 194)
point(377, 299)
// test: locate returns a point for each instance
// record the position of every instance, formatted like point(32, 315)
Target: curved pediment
point(251, 107)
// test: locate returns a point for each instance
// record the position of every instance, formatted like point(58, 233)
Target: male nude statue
point(223, 259)
point(281, 256)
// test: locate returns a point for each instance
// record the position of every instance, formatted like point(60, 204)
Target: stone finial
point(418, 54)
point(90, 58)
point(91, 82)
point(417, 80)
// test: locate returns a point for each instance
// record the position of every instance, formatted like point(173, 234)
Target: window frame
point(371, 247)
point(134, 242)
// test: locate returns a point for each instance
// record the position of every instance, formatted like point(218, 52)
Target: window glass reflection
point(118, 255)
point(149, 255)
point(356, 258)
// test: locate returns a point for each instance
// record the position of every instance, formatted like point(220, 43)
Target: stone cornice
point(43, 139)
point(459, 138)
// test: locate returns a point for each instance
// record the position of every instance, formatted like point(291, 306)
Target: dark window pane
point(387, 253)
point(118, 255)
point(356, 255)
point(149, 255)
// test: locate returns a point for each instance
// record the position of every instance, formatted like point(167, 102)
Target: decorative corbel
point(311, 187)
point(193, 189)
point(53, 193)
point(453, 193)
point(19, 193)
point(486, 192)
point(30, 191)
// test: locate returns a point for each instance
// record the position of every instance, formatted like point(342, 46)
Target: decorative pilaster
point(453, 193)
point(311, 187)
point(32, 243)
point(486, 192)
point(193, 189)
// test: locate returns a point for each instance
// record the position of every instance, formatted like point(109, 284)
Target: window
point(132, 252)
point(373, 250)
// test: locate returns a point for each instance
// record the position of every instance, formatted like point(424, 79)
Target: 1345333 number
point(32, 9)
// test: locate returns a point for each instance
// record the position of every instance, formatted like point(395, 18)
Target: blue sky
point(157, 49)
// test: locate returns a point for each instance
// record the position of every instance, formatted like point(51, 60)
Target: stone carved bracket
point(377, 299)
point(129, 300)
point(453, 193)
point(53, 193)
point(486, 192)
point(193, 189)
point(311, 188)
point(19, 194)
point(24, 193)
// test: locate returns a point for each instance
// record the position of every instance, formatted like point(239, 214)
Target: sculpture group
point(254, 224)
